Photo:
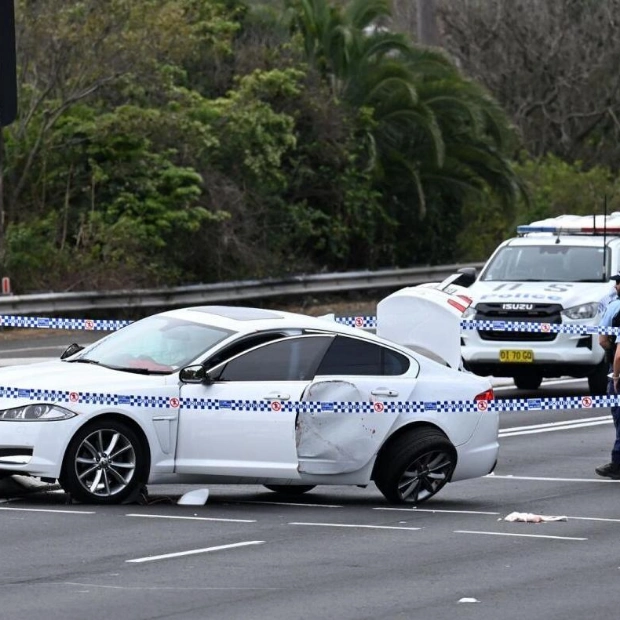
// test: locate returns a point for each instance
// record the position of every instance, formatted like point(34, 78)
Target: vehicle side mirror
point(72, 349)
point(195, 374)
point(466, 276)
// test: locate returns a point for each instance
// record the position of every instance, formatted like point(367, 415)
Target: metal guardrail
point(225, 292)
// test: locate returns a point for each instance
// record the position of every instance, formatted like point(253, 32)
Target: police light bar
point(563, 230)
point(575, 225)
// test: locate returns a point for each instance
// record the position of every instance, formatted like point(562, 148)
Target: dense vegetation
point(167, 142)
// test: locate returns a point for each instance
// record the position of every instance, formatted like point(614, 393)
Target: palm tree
point(430, 124)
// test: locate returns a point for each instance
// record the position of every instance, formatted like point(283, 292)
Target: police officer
point(611, 319)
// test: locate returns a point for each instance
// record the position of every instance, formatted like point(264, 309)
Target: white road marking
point(551, 424)
point(543, 479)
point(459, 512)
point(69, 512)
point(158, 587)
point(147, 516)
point(292, 504)
point(43, 347)
point(519, 535)
point(180, 554)
point(511, 386)
point(554, 426)
point(370, 527)
point(593, 519)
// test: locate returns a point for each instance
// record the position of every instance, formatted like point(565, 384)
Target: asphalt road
point(336, 552)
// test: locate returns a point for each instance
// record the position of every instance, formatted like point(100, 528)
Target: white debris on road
point(528, 517)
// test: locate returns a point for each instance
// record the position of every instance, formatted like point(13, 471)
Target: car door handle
point(277, 396)
point(384, 392)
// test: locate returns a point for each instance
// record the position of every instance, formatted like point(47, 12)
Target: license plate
point(519, 356)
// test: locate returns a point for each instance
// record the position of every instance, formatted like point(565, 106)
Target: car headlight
point(36, 412)
point(583, 311)
point(469, 313)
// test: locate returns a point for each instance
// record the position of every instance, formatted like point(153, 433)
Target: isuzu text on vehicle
point(556, 271)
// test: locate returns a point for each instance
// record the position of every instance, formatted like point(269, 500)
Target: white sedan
point(215, 394)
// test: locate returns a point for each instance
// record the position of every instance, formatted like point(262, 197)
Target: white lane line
point(560, 426)
point(519, 535)
point(148, 516)
point(158, 587)
point(68, 512)
point(458, 512)
point(352, 525)
point(45, 347)
point(292, 504)
point(593, 519)
point(480, 512)
point(180, 554)
point(512, 386)
point(541, 479)
point(543, 425)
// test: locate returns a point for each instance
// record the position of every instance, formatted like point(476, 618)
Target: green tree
point(436, 141)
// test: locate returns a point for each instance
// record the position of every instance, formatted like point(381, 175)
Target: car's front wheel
point(415, 467)
point(290, 489)
point(528, 381)
point(105, 463)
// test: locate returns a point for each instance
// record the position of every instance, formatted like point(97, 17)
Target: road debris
point(528, 517)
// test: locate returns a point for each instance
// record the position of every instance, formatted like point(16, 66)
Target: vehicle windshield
point(158, 345)
point(546, 263)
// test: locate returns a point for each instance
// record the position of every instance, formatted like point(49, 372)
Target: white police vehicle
point(556, 271)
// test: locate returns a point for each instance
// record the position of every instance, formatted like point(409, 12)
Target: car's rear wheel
point(105, 463)
point(289, 489)
point(415, 467)
point(528, 381)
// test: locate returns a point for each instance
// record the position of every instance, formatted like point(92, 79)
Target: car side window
point(244, 344)
point(291, 359)
point(350, 356)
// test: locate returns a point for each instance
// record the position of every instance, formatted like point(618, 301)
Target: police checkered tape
point(503, 406)
point(37, 322)
point(367, 408)
point(361, 322)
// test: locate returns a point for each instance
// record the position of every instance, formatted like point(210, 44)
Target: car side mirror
point(195, 374)
point(466, 276)
point(72, 349)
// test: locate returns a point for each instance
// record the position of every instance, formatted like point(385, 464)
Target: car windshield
point(158, 344)
point(546, 263)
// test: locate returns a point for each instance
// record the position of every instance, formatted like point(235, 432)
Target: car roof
point(570, 240)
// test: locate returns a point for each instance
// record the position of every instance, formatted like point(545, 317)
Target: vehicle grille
point(540, 313)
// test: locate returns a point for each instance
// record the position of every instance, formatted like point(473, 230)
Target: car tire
point(105, 463)
point(415, 467)
point(290, 489)
point(598, 380)
point(528, 382)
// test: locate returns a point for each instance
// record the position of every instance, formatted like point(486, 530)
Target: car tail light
point(459, 306)
point(486, 395)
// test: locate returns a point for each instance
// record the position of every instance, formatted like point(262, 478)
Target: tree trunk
point(428, 33)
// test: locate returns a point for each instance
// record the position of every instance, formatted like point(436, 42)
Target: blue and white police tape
point(499, 326)
point(38, 322)
point(258, 406)
point(545, 328)
point(361, 322)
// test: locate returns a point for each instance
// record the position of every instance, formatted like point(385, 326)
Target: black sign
point(8, 81)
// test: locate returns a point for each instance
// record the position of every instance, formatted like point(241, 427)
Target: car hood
point(61, 376)
point(567, 294)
